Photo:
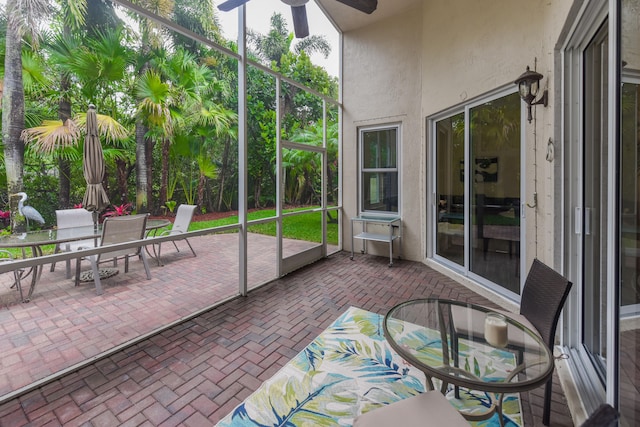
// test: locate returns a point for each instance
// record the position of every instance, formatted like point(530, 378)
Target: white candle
point(495, 330)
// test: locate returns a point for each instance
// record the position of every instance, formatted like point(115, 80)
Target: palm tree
point(73, 18)
point(53, 135)
point(22, 18)
point(155, 99)
point(98, 69)
point(201, 18)
point(150, 38)
point(278, 41)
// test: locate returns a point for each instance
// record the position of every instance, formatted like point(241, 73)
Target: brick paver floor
point(199, 369)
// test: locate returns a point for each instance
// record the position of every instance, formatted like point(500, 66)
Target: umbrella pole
point(95, 221)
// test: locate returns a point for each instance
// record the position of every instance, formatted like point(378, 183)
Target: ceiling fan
point(299, 12)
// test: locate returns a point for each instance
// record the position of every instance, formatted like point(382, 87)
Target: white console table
point(393, 232)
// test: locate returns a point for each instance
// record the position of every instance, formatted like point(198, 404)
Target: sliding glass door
point(477, 172)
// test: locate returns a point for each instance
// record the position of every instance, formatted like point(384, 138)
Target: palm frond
point(52, 135)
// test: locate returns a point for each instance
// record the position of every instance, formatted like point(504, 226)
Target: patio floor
point(199, 369)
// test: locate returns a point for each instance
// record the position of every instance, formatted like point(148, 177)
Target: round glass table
point(468, 345)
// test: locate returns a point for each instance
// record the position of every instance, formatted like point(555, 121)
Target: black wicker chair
point(604, 416)
point(544, 294)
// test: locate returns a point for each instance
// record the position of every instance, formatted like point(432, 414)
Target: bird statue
point(29, 212)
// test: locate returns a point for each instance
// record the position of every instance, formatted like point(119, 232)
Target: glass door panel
point(450, 188)
point(594, 211)
point(629, 339)
point(494, 235)
point(630, 203)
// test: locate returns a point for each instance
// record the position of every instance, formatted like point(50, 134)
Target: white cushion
point(426, 409)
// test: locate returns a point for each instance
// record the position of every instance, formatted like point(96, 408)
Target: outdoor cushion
point(426, 409)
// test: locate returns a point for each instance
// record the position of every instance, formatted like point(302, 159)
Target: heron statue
point(29, 212)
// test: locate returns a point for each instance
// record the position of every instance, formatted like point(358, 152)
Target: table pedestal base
point(105, 273)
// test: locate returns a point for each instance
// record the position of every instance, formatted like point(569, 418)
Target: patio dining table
point(471, 346)
point(36, 240)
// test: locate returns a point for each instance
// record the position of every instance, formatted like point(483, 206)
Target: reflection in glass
point(629, 395)
point(380, 170)
point(450, 188)
point(495, 191)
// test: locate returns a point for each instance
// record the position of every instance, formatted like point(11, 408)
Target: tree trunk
point(164, 175)
point(149, 144)
point(257, 192)
point(64, 167)
point(222, 174)
point(64, 185)
point(202, 181)
point(123, 172)
point(142, 180)
point(13, 114)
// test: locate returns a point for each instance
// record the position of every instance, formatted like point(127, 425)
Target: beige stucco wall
point(381, 81)
point(485, 46)
point(437, 56)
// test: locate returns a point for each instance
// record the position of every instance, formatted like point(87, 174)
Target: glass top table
point(468, 345)
point(35, 240)
point(54, 236)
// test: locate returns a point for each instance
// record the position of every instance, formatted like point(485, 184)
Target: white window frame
point(362, 170)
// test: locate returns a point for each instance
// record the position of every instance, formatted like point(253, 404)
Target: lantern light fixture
point(528, 86)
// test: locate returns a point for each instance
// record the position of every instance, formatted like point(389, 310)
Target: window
point(379, 186)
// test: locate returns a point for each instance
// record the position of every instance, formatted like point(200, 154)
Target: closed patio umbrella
point(95, 198)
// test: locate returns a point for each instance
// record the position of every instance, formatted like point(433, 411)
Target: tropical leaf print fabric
point(350, 369)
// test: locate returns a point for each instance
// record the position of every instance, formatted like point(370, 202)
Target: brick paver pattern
point(199, 369)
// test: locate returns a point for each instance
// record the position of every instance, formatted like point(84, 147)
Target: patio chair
point(604, 416)
point(116, 230)
point(6, 256)
point(70, 218)
point(544, 294)
point(430, 408)
point(184, 215)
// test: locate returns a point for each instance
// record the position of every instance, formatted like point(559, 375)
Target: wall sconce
point(528, 85)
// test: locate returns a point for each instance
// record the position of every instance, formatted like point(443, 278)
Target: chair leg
point(68, 266)
point(16, 276)
point(96, 277)
point(145, 263)
point(546, 413)
point(190, 247)
point(77, 279)
point(53, 264)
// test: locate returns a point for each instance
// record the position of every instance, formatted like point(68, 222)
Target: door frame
point(432, 200)
point(586, 23)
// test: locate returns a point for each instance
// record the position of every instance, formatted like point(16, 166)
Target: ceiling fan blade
point(231, 4)
point(366, 6)
point(300, 23)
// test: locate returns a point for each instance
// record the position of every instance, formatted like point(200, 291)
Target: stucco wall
point(485, 46)
point(381, 81)
point(435, 57)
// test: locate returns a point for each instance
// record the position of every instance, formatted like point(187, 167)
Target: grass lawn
point(305, 227)
point(301, 227)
